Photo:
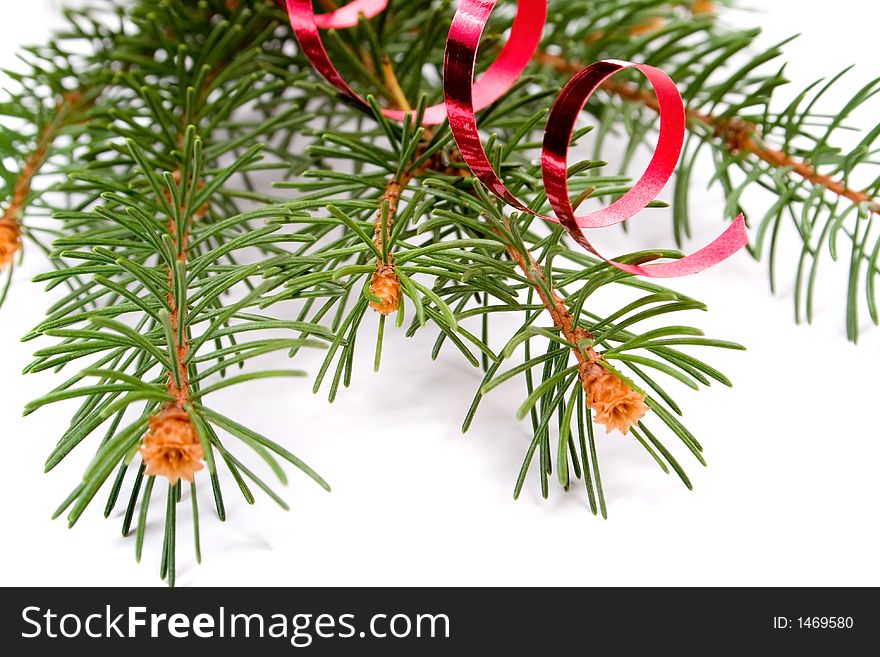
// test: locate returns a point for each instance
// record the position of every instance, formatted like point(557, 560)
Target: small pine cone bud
point(386, 286)
point(172, 448)
point(703, 7)
point(615, 404)
point(10, 241)
point(738, 134)
point(647, 26)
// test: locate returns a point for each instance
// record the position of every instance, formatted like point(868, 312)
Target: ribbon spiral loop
point(515, 56)
point(465, 97)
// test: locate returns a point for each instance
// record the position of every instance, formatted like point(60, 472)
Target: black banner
point(421, 621)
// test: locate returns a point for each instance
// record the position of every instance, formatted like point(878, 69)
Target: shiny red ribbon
point(465, 97)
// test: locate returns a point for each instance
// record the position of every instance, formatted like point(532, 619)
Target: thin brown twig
point(10, 223)
point(392, 84)
point(385, 284)
point(181, 393)
point(555, 305)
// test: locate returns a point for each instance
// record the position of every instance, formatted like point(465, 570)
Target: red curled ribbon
point(464, 98)
point(515, 56)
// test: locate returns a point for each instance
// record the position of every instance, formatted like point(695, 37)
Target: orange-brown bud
point(386, 286)
point(614, 403)
point(172, 448)
point(10, 241)
point(702, 7)
point(647, 26)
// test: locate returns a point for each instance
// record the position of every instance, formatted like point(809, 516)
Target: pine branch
point(156, 262)
point(458, 240)
point(176, 255)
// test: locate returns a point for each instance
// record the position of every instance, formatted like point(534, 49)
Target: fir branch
point(154, 263)
point(175, 255)
point(463, 223)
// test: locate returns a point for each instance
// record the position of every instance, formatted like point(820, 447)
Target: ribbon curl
point(465, 96)
point(515, 56)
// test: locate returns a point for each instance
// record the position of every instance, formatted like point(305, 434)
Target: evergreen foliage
point(146, 163)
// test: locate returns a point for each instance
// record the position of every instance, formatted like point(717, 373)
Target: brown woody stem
point(178, 383)
point(180, 392)
point(393, 85)
point(388, 203)
point(555, 305)
point(385, 283)
point(12, 215)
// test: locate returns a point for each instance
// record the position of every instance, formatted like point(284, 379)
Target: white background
point(789, 497)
